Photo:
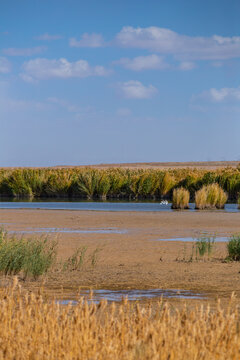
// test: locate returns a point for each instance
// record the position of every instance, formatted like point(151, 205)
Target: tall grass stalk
point(233, 248)
point(210, 197)
point(204, 245)
point(95, 256)
point(34, 329)
point(75, 261)
point(180, 198)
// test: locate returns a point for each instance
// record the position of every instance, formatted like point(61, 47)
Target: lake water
point(100, 206)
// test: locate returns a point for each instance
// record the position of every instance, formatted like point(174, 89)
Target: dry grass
point(210, 197)
point(180, 198)
point(34, 329)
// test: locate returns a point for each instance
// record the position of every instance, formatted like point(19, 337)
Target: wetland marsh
point(141, 258)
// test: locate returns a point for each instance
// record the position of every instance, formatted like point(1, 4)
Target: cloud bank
point(41, 68)
point(143, 63)
point(166, 41)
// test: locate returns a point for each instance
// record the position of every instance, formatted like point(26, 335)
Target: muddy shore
point(134, 258)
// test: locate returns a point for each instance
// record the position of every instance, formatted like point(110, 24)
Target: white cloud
point(182, 47)
point(187, 65)
point(28, 78)
point(5, 66)
point(48, 37)
point(143, 63)
point(24, 51)
point(136, 90)
point(220, 95)
point(88, 40)
point(41, 68)
point(224, 94)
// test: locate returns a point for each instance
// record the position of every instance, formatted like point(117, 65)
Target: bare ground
point(135, 260)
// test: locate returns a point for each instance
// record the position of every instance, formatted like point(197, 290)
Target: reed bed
point(210, 197)
point(113, 183)
point(180, 199)
point(35, 329)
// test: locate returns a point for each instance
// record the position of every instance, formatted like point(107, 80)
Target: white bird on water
point(164, 202)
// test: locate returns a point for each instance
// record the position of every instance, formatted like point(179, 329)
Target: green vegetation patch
point(233, 248)
point(32, 257)
point(115, 182)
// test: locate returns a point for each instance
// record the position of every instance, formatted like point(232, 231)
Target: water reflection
point(133, 295)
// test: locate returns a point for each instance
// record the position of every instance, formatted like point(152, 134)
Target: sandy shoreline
point(134, 259)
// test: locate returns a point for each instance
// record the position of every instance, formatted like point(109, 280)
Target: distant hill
point(211, 165)
point(208, 165)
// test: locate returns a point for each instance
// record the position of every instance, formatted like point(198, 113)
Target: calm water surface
point(133, 295)
point(99, 206)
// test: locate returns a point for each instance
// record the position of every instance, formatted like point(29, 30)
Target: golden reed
point(35, 329)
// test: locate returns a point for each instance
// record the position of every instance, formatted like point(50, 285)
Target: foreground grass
point(32, 329)
point(35, 256)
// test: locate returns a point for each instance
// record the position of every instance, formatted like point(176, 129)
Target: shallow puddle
point(191, 239)
point(133, 295)
point(70, 231)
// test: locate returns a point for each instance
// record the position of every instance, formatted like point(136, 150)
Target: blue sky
point(119, 81)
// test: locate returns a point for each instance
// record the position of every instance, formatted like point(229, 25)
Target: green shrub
point(180, 198)
point(58, 184)
point(16, 186)
point(30, 256)
point(86, 183)
point(233, 247)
